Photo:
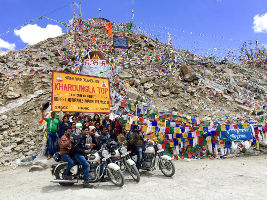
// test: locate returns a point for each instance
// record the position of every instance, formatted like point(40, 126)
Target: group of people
point(76, 135)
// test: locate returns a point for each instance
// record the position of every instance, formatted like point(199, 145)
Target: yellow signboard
point(80, 93)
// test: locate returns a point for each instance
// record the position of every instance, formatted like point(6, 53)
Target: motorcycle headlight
point(123, 150)
point(105, 153)
point(159, 146)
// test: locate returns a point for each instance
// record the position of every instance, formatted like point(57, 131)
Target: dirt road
point(236, 178)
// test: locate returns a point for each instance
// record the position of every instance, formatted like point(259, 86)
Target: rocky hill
point(150, 72)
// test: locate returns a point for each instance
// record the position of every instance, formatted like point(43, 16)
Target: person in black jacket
point(104, 138)
point(79, 150)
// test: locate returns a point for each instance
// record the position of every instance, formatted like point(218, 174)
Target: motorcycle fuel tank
point(94, 157)
point(115, 153)
point(150, 149)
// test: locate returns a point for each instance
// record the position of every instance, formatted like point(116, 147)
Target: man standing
point(52, 129)
point(79, 150)
point(106, 121)
point(137, 141)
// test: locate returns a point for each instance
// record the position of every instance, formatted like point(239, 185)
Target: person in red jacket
point(64, 150)
point(117, 127)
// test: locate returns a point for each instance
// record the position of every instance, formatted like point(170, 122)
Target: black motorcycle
point(96, 159)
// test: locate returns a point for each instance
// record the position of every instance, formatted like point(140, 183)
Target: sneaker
point(87, 185)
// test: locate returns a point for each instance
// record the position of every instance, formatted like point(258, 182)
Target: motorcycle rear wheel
point(59, 174)
point(132, 169)
point(116, 177)
point(166, 167)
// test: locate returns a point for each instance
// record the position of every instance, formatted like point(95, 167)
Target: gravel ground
point(235, 178)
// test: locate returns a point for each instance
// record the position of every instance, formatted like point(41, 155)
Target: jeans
point(138, 151)
point(68, 159)
point(102, 171)
point(52, 143)
point(81, 159)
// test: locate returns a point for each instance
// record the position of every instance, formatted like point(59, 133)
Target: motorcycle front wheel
point(116, 177)
point(59, 174)
point(132, 169)
point(166, 167)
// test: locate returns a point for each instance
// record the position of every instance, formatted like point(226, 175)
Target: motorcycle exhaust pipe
point(64, 181)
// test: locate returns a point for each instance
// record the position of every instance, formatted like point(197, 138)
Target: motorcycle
point(96, 159)
point(149, 155)
point(121, 157)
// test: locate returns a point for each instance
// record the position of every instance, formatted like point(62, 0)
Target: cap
point(91, 128)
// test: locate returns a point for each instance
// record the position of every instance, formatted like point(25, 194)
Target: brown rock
point(188, 73)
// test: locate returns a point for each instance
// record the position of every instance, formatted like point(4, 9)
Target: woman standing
point(63, 126)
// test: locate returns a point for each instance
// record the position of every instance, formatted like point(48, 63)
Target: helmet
point(57, 157)
point(113, 145)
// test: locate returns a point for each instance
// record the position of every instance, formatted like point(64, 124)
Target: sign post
point(80, 93)
point(120, 42)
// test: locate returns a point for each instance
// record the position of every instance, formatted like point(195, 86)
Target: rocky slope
point(151, 72)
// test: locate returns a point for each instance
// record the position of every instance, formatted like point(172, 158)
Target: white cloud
point(260, 23)
point(6, 45)
point(32, 34)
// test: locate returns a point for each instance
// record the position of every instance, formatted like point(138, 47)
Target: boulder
point(242, 84)
point(188, 73)
point(125, 75)
point(3, 117)
point(132, 93)
point(36, 168)
point(165, 93)
point(19, 122)
point(12, 95)
point(4, 127)
point(150, 92)
point(175, 91)
point(148, 85)
point(43, 162)
point(137, 82)
point(144, 79)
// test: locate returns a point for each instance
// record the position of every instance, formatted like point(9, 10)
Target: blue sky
point(202, 26)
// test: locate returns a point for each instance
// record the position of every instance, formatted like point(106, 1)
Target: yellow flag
point(245, 125)
point(133, 108)
point(177, 130)
point(223, 128)
point(162, 137)
point(153, 129)
point(135, 118)
point(208, 142)
point(171, 144)
point(185, 135)
point(144, 128)
point(258, 144)
point(128, 127)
